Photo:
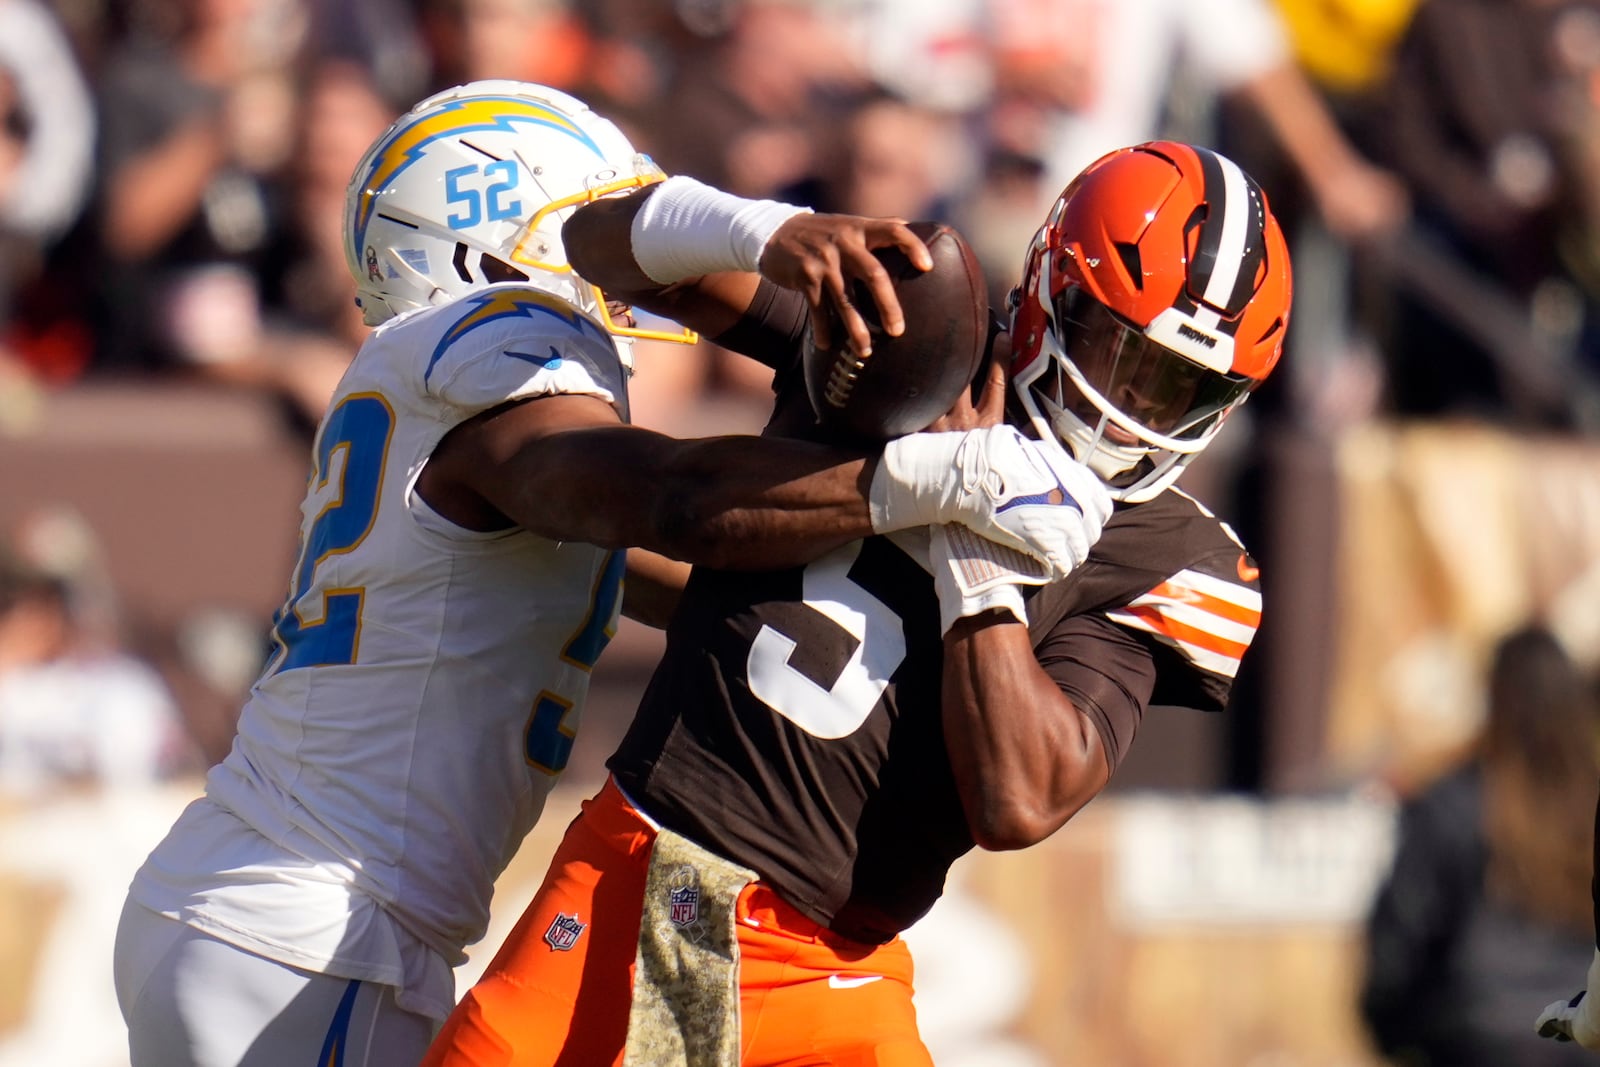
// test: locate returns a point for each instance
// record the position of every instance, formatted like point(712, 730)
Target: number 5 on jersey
point(880, 647)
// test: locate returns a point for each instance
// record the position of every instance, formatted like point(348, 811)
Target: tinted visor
point(1150, 384)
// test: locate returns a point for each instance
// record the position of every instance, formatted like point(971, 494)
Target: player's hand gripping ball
point(907, 381)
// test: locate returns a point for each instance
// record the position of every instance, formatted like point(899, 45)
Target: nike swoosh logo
point(839, 981)
point(1048, 497)
point(552, 361)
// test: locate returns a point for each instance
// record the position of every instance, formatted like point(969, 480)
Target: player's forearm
point(758, 503)
point(599, 243)
point(1025, 760)
point(728, 502)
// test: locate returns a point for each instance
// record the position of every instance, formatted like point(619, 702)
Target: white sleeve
point(511, 344)
point(1231, 42)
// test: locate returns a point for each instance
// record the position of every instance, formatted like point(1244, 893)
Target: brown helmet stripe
point(1231, 245)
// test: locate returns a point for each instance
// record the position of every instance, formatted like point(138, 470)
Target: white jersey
point(426, 681)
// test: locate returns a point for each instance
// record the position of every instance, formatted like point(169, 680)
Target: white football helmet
point(471, 186)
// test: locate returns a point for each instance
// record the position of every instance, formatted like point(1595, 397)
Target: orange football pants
point(807, 997)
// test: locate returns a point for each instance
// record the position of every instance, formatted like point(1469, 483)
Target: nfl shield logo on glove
point(564, 932)
point(685, 906)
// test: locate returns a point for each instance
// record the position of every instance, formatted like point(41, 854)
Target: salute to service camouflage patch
point(685, 1010)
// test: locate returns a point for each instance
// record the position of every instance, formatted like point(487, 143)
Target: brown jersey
point(793, 724)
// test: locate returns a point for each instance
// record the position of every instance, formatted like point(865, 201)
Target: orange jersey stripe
point(1158, 620)
point(1188, 594)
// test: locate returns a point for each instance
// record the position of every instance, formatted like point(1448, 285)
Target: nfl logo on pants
point(564, 932)
point(685, 906)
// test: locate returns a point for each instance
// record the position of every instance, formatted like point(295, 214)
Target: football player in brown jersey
point(820, 744)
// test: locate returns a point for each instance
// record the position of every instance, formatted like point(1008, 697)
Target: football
point(910, 380)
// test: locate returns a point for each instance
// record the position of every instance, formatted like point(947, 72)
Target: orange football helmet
point(1153, 300)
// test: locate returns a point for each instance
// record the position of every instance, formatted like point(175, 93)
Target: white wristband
point(686, 229)
point(953, 552)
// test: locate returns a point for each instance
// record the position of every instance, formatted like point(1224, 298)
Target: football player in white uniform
point(461, 561)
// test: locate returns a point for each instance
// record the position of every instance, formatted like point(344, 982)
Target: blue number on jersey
point(585, 646)
point(547, 741)
point(358, 430)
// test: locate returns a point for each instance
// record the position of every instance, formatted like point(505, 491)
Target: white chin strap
point(1092, 448)
point(1111, 461)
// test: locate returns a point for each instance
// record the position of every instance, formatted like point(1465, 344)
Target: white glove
point(973, 575)
point(1013, 490)
point(1577, 1019)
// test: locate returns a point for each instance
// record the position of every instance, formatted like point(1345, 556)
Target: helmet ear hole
point(1129, 253)
point(498, 270)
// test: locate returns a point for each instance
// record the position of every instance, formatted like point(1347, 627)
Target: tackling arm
point(816, 255)
point(598, 240)
point(563, 467)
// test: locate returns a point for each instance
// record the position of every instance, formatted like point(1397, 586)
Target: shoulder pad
point(510, 342)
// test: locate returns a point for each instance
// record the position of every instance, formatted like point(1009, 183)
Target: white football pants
point(191, 1000)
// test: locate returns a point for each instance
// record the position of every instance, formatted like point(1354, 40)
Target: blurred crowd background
point(1409, 767)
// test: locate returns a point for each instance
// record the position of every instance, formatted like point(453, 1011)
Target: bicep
point(1105, 672)
point(544, 464)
